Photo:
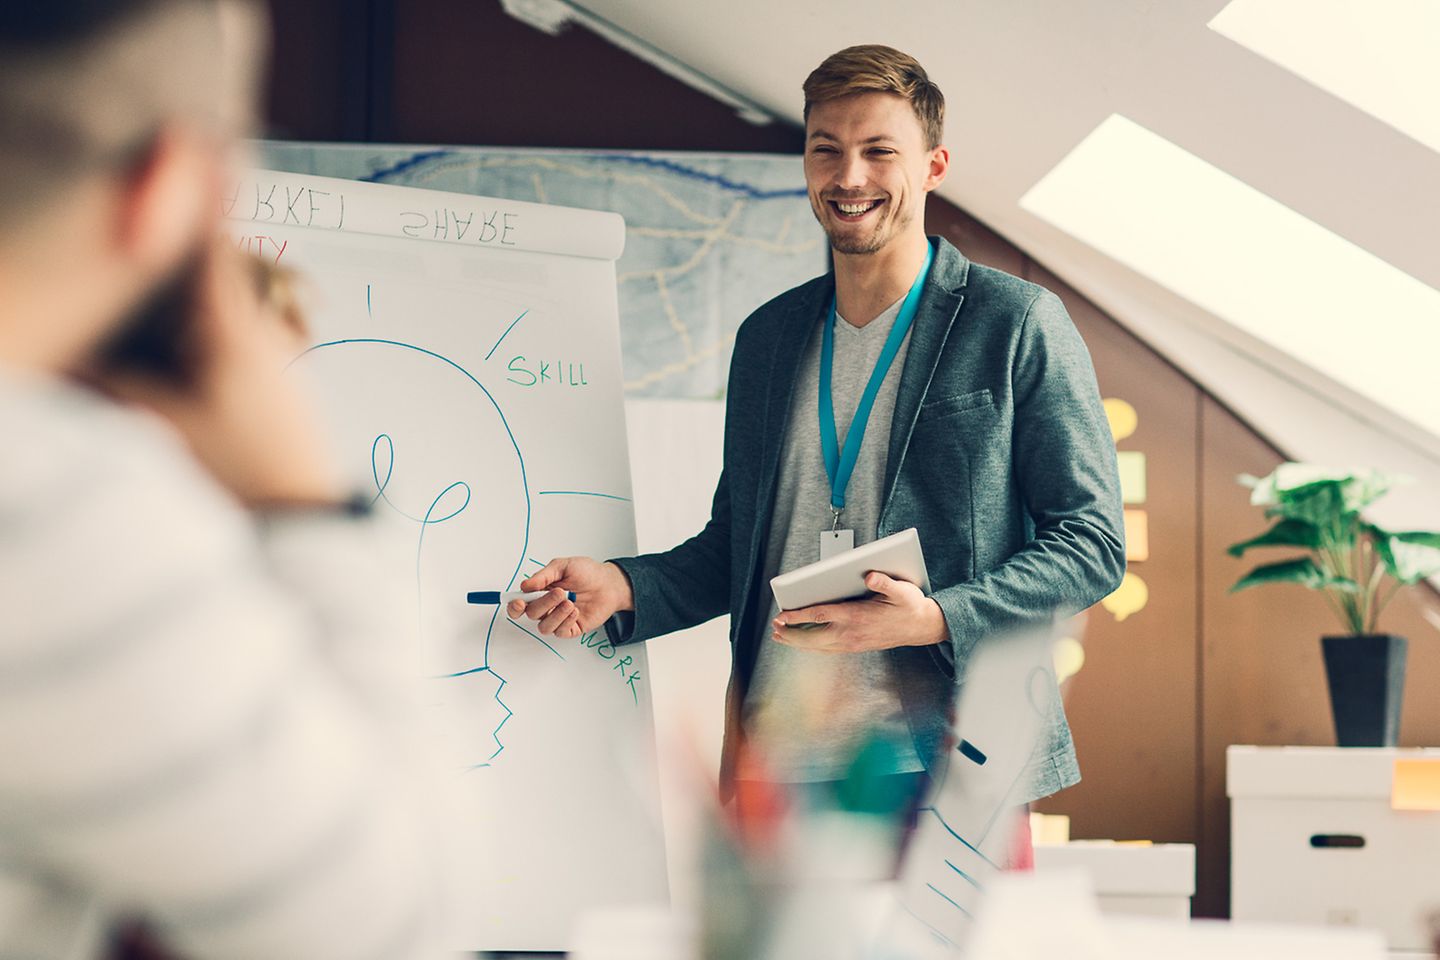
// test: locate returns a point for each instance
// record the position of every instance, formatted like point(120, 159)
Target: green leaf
point(1423, 537)
point(1320, 503)
point(1301, 570)
point(1286, 533)
point(1376, 531)
point(1367, 486)
point(1409, 555)
point(1409, 561)
point(1288, 477)
point(1296, 483)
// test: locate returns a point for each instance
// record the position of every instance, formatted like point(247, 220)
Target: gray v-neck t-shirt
point(806, 712)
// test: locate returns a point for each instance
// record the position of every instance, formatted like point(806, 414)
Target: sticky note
point(1069, 658)
point(1137, 535)
point(1132, 475)
point(1122, 416)
point(1416, 784)
point(1130, 597)
point(1049, 828)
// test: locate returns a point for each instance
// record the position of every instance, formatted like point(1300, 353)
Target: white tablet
point(842, 577)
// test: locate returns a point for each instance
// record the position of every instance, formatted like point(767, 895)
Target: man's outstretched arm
point(636, 598)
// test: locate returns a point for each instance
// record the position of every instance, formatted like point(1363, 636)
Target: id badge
point(835, 542)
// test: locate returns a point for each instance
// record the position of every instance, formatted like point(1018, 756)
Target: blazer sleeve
point(689, 584)
point(1065, 464)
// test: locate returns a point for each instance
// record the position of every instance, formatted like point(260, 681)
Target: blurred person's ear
point(169, 201)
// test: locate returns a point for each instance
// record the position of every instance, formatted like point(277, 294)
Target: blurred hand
point(898, 615)
point(247, 422)
point(601, 590)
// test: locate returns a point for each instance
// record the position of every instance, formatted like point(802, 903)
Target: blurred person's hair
point(87, 85)
point(874, 68)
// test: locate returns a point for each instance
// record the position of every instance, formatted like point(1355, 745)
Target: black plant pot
point(1367, 681)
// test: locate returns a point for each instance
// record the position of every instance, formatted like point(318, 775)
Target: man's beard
point(851, 244)
point(872, 242)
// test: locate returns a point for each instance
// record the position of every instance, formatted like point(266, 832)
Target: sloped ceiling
point(1027, 80)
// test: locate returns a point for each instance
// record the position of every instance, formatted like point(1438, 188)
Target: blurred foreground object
point(1130, 878)
point(204, 710)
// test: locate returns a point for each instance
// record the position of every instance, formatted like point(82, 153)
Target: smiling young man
point(960, 400)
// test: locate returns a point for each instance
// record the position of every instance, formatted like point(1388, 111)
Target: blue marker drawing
point(452, 501)
point(382, 453)
point(367, 301)
point(579, 493)
point(540, 638)
point(499, 744)
point(509, 433)
point(385, 443)
point(495, 734)
point(463, 673)
point(383, 440)
point(505, 334)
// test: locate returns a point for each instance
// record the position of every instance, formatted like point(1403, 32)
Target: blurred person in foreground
point(966, 403)
point(203, 705)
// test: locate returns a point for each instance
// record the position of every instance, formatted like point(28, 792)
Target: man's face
point(867, 169)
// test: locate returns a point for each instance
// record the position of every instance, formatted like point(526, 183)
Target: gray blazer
point(1000, 455)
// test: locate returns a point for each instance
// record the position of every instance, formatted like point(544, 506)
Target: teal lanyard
point(840, 464)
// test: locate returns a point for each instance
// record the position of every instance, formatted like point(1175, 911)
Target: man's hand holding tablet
point(870, 598)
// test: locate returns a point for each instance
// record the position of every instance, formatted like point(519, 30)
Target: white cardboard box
point(1313, 839)
point(1153, 880)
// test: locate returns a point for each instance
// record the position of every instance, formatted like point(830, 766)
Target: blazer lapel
point(939, 306)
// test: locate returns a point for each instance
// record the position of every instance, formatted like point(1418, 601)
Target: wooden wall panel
point(1132, 707)
point(973, 238)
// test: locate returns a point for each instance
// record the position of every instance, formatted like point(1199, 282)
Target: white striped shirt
point(198, 711)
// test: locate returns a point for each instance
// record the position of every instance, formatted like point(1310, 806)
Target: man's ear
point(170, 199)
point(939, 167)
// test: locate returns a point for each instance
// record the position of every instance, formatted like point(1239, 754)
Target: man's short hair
point(87, 84)
point(873, 68)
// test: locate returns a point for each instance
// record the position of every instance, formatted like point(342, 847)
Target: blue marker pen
point(503, 598)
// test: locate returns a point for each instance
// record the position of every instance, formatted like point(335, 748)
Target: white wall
point(675, 457)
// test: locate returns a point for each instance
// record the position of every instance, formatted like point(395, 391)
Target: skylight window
point(1379, 56)
point(1243, 257)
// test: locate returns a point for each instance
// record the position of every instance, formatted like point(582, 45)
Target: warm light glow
point(1379, 56)
point(1251, 261)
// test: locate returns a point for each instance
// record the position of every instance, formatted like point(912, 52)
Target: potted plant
point(1357, 567)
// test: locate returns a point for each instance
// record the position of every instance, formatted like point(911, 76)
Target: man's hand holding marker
point(570, 596)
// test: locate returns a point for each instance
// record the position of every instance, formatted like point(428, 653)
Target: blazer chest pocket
point(950, 406)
